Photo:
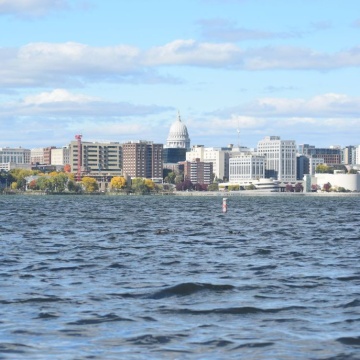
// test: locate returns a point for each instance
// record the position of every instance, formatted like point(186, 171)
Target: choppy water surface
point(175, 278)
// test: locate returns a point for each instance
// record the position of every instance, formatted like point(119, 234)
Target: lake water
point(161, 277)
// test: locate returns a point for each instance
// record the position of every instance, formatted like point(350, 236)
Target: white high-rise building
point(280, 158)
point(246, 166)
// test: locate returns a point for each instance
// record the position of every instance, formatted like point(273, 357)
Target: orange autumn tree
point(118, 182)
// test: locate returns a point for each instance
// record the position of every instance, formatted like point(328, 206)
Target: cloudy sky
point(119, 70)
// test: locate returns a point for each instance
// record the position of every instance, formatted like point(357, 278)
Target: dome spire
point(178, 135)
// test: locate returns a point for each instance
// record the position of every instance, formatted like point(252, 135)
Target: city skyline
point(120, 71)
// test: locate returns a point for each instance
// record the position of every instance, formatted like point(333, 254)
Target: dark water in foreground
point(175, 278)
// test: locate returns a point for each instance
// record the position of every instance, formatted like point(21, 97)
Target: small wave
point(349, 278)
point(65, 268)
point(98, 320)
point(265, 267)
point(14, 348)
point(254, 345)
point(263, 251)
point(149, 339)
point(350, 340)
point(40, 299)
point(353, 303)
point(217, 343)
point(243, 310)
point(186, 289)
point(116, 266)
point(46, 315)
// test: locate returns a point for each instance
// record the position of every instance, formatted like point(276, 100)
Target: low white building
point(348, 181)
point(14, 158)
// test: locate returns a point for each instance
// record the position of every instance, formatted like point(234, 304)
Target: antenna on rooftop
point(238, 132)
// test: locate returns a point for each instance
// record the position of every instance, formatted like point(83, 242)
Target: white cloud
point(57, 96)
point(60, 103)
point(191, 52)
point(31, 8)
point(73, 64)
point(325, 105)
point(225, 30)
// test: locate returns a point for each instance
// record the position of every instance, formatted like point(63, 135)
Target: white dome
point(178, 135)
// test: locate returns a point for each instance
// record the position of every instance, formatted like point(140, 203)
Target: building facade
point(218, 156)
point(246, 167)
point(60, 156)
point(198, 172)
point(13, 158)
point(280, 158)
point(96, 158)
point(37, 156)
point(143, 159)
point(331, 155)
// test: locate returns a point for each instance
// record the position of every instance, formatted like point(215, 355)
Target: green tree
point(138, 186)
point(44, 183)
point(59, 182)
point(213, 187)
point(73, 186)
point(170, 178)
point(90, 184)
point(250, 187)
point(324, 169)
point(179, 179)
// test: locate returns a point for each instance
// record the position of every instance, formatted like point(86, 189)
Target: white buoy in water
point(224, 205)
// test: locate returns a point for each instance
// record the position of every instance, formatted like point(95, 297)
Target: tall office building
point(143, 159)
point(331, 156)
point(97, 158)
point(280, 158)
point(198, 172)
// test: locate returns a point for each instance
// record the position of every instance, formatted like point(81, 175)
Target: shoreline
point(263, 193)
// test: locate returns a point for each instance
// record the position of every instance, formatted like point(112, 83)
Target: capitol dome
point(178, 135)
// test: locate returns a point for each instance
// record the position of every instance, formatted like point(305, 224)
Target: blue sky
point(115, 70)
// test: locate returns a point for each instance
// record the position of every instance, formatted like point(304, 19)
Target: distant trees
point(250, 187)
point(324, 169)
point(170, 177)
point(142, 186)
point(298, 187)
point(117, 183)
point(327, 187)
point(90, 184)
point(184, 185)
point(213, 187)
